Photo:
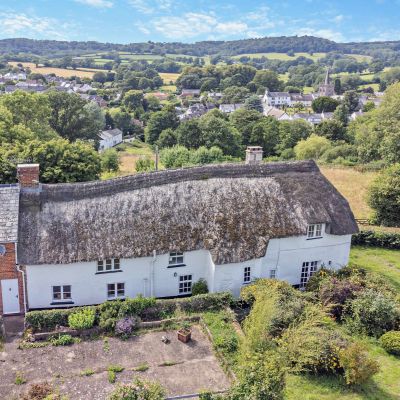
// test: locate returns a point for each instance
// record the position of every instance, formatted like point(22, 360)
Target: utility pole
point(156, 148)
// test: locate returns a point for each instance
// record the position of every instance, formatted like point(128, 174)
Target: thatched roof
point(9, 204)
point(232, 210)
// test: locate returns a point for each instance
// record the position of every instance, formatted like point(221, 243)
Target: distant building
point(276, 113)
point(196, 111)
point(304, 99)
point(109, 138)
point(313, 118)
point(327, 88)
point(230, 108)
point(277, 99)
point(190, 93)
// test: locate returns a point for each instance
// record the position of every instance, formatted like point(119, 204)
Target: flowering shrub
point(83, 319)
point(125, 326)
point(390, 341)
point(138, 390)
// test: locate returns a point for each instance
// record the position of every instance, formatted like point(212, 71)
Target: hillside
point(283, 44)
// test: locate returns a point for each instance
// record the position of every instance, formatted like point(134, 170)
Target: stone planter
point(184, 335)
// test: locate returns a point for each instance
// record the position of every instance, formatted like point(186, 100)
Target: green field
point(282, 56)
point(386, 384)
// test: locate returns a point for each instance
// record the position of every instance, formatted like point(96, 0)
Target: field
point(169, 77)
point(386, 384)
point(63, 72)
point(353, 185)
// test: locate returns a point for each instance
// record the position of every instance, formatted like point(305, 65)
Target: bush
point(384, 196)
point(47, 319)
point(62, 340)
point(83, 319)
point(145, 165)
point(377, 239)
point(390, 341)
point(199, 287)
point(136, 306)
point(138, 390)
point(358, 367)
point(205, 302)
point(109, 314)
point(372, 313)
point(312, 148)
point(124, 327)
point(38, 391)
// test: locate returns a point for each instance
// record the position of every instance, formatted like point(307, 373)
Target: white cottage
point(109, 138)
point(157, 233)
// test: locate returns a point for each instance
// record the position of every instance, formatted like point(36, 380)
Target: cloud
point(338, 19)
point(96, 3)
point(13, 24)
point(322, 33)
point(193, 24)
point(150, 7)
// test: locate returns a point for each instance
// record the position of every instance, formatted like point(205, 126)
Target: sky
point(128, 21)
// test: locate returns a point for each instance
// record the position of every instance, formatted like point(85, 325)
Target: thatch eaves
point(233, 210)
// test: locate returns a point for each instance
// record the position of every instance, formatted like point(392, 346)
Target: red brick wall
point(8, 270)
point(28, 175)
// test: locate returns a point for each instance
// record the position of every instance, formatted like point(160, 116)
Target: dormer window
point(175, 259)
point(314, 231)
point(108, 265)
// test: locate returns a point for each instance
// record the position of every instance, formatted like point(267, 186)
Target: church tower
point(327, 89)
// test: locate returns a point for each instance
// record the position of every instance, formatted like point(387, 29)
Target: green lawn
point(386, 384)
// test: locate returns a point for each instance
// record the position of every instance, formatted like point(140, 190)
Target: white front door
point(10, 296)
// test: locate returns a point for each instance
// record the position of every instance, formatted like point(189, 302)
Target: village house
point(189, 93)
point(230, 108)
point(94, 98)
point(196, 111)
point(276, 113)
point(313, 118)
point(109, 138)
point(157, 233)
point(304, 99)
point(277, 99)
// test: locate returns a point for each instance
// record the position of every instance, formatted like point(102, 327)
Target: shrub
point(83, 319)
point(38, 391)
point(357, 366)
point(124, 327)
point(372, 313)
point(311, 345)
point(19, 379)
point(205, 302)
point(312, 148)
point(390, 341)
point(199, 287)
point(136, 306)
point(47, 319)
point(138, 390)
point(144, 165)
point(261, 376)
point(108, 314)
point(334, 293)
point(377, 239)
point(62, 340)
point(384, 196)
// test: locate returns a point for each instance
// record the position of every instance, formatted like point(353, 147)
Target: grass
point(141, 368)
point(63, 72)
point(282, 56)
point(87, 372)
point(384, 262)
point(169, 77)
point(19, 379)
point(353, 185)
point(168, 88)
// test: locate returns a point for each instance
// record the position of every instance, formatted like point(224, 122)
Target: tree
point(338, 86)
point(291, 132)
point(351, 100)
point(332, 130)
point(158, 122)
point(324, 104)
point(100, 77)
point(144, 165)
point(312, 148)
point(341, 114)
point(235, 94)
point(109, 160)
point(369, 106)
point(95, 119)
point(167, 138)
point(384, 196)
point(243, 120)
point(189, 134)
point(132, 100)
point(265, 133)
point(268, 80)
point(220, 133)
point(254, 103)
point(175, 157)
point(151, 103)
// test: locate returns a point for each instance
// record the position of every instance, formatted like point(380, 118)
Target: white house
point(276, 113)
point(157, 233)
point(109, 138)
point(277, 99)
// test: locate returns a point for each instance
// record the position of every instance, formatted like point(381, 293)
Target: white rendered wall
point(285, 255)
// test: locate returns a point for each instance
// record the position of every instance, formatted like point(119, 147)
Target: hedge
point(145, 308)
point(377, 239)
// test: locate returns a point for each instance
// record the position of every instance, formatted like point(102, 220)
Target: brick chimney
point(28, 175)
point(254, 155)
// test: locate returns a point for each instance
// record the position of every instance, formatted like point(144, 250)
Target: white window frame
point(62, 292)
point(116, 295)
point(247, 275)
point(314, 231)
point(185, 284)
point(108, 265)
point(308, 269)
point(175, 258)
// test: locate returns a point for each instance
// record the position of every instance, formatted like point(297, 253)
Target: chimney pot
point(254, 155)
point(28, 175)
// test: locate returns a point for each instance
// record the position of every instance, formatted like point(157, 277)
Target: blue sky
point(125, 21)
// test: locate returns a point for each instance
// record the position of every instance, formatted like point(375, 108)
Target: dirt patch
point(180, 368)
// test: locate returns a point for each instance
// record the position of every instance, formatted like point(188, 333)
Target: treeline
point(283, 44)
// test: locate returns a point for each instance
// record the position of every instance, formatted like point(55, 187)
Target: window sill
point(61, 303)
point(116, 298)
point(176, 265)
point(313, 238)
point(108, 272)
